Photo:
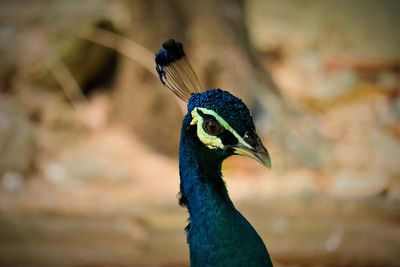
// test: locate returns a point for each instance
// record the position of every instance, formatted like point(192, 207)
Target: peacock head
point(224, 125)
point(220, 122)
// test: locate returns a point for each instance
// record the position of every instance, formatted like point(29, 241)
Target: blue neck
point(201, 179)
point(216, 229)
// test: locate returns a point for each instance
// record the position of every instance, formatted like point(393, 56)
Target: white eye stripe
point(213, 141)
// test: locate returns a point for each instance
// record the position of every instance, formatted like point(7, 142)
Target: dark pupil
point(212, 127)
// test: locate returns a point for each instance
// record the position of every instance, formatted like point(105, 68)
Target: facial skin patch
point(211, 141)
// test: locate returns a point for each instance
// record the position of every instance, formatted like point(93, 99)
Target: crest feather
point(175, 71)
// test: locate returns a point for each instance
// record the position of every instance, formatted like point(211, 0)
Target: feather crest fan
point(175, 71)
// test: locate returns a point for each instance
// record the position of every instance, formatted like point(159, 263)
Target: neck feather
point(216, 230)
point(202, 186)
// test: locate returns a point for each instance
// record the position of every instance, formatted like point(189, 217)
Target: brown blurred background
point(89, 137)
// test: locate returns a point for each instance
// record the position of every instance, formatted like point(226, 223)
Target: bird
point(217, 125)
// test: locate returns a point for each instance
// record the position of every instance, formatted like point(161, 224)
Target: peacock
point(216, 126)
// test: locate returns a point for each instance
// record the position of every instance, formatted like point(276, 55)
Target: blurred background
point(89, 137)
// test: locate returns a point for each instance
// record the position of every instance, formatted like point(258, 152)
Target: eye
point(212, 127)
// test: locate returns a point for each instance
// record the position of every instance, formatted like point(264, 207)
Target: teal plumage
point(216, 126)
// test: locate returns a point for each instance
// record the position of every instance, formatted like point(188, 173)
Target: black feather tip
point(170, 52)
point(175, 71)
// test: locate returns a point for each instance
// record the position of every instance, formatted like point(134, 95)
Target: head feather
point(175, 71)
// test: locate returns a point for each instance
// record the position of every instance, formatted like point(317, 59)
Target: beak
point(255, 150)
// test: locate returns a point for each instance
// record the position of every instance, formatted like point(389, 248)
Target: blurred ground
point(88, 168)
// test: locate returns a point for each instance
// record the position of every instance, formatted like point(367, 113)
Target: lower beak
point(259, 153)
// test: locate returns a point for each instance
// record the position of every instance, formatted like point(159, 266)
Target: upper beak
point(256, 150)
